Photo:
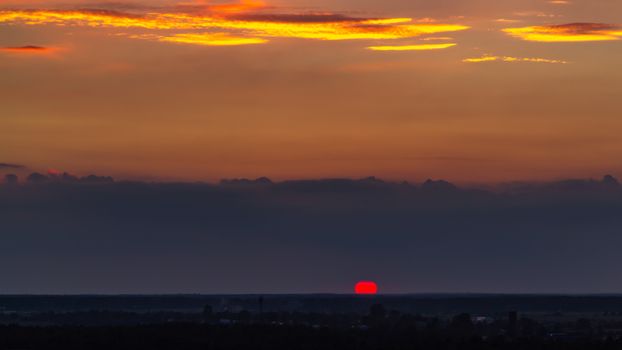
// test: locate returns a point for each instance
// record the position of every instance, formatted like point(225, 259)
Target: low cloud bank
point(64, 234)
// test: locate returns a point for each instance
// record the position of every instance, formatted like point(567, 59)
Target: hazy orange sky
point(468, 91)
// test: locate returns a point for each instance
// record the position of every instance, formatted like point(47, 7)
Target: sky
point(469, 91)
point(119, 119)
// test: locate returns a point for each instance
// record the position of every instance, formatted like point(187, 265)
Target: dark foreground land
point(270, 337)
point(311, 322)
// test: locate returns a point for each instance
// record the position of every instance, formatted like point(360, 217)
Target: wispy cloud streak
point(11, 166)
point(420, 47)
point(28, 49)
point(572, 32)
point(204, 39)
point(510, 59)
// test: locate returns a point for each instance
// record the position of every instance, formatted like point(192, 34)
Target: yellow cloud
point(395, 28)
point(423, 47)
point(433, 38)
point(511, 59)
point(210, 39)
point(573, 32)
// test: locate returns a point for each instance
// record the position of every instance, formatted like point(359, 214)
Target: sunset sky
point(468, 91)
point(505, 99)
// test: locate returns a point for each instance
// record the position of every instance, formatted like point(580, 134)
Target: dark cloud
point(26, 48)
point(11, 179)
point(570, 186)
point(584, 28)
point(246, 182)
point(57, 177)
point(11, 166)
point(37, 178)
point(69, 235)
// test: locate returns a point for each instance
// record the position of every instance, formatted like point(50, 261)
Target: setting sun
point(366, 288)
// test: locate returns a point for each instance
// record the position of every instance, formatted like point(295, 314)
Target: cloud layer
point(61, 234)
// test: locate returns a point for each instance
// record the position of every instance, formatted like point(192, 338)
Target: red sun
point(366, 287)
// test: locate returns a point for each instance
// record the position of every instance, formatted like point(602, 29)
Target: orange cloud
point(206, 5)
point(318, 27)
point(506, 20)
point(244, 6)
point(511, 59)
point(204, 39)
point(422, 47)
point(572, 32)
point(437, 38)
